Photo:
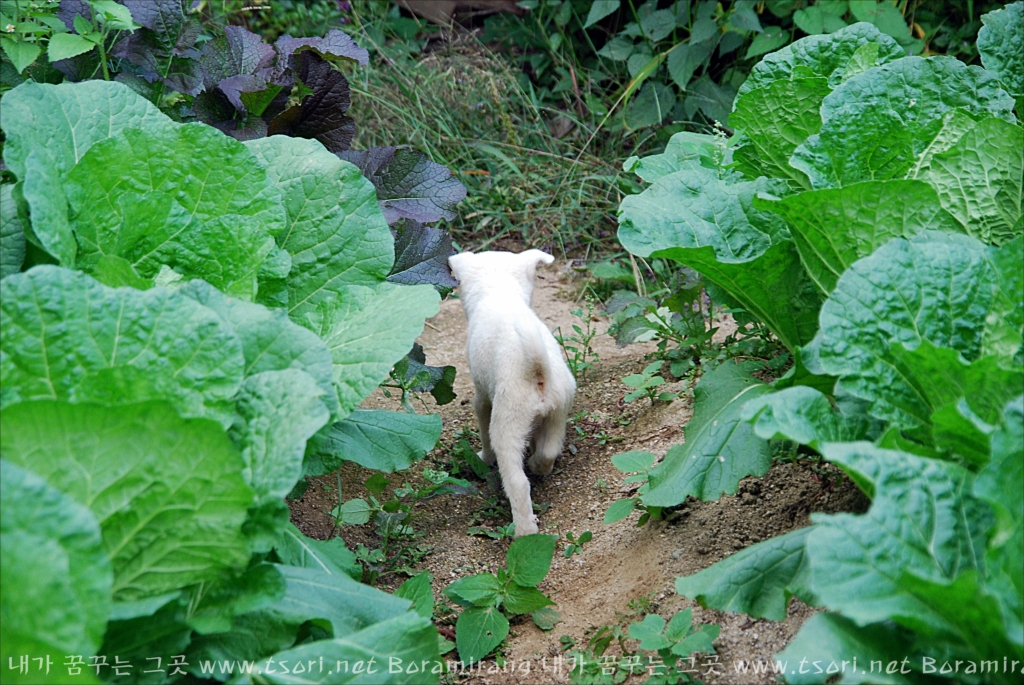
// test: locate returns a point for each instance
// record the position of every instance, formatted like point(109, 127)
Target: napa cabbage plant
point(182, 316)
point(868, 212)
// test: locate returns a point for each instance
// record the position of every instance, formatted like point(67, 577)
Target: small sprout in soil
point(575, 545)
point(646, 383)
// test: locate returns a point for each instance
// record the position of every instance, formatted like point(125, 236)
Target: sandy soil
point(623, 562)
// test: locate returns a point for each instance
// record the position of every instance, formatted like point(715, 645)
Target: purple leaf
point(237, 52)
point(421, 256)
point(69, 9)
point(408, 184)
point(320, 115)
point(335, 44)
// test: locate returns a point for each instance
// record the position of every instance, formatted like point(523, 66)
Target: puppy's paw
point(540, 466)
point(486, 457)
point(527, 528)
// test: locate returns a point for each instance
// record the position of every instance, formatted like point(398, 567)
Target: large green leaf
point(481, 590)
point(999, 42)
point(57, 577)
point(478, 631)
point(185, 196)
point(12, 233)
point(403, 649)
point(335, 234)
point(776, 118)
point(943, 289)
point(823, 55)
point(330, 556)
point(805, 415)
point(167, 492)
point(49, 128)
point(720, 448)
point(65, 336)
point(915, 557)
point(684, 150)
point(714, 227)
point(270, 340)
point(367, 330)
point(1001, 484)
point(385, 441)
point(774, 287)
point(979, 180)
point(213, 608)
point(828, 640)
point(693, 208)
point(833, 228)
point(253, 636)
point(348, 606)
point(529, 558)
point(878, 122)
point(758, 580)
point(278, 411)
point(161, 635)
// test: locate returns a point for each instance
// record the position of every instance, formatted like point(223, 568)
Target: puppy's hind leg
point(510, 431)
point(548, 441)
point(482, 408)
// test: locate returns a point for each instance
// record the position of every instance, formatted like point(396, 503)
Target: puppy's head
point(497, 271)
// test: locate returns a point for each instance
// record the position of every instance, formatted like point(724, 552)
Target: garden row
point(868, 212)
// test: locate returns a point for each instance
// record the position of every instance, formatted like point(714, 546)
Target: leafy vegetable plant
point(869, 215)
point(187, 325)
point(490, 599)
point(646, 383)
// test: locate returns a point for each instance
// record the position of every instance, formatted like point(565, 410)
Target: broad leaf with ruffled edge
point(720, 449)
point(367, 330)
point(946, 290)
point(167, 492)
point(335, 233)
point(270, 340)
point(999, 42)
point(775, 119)
point(278, 411)
point(916, 556)
point(408, 184)
point(823, 55)
point(979, 180)
point(714, 227)
point(65, 336)
point(876, 123)
point(49, 128)
point(834, 227)
point(805, 415)
point(185, 196)
point(57, 577)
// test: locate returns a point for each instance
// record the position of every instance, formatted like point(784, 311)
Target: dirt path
point(623, 562)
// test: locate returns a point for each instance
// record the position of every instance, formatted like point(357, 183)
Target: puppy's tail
point(537, 360)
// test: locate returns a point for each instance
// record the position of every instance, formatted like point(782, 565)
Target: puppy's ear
point(535, 257)
point(458, 262)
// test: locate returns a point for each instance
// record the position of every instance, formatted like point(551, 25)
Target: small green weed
point(574, 545)
point(646, 383)
point(579, 355)
point(491, 599)
point(640, 465)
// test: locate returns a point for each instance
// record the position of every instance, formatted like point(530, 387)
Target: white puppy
point(524, 390)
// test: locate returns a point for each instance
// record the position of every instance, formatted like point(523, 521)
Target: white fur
point(524, 390)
